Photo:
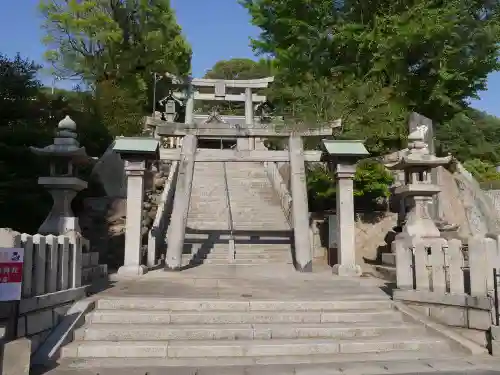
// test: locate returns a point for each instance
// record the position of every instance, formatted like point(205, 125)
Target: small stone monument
point(63, 184)
point(418, 190)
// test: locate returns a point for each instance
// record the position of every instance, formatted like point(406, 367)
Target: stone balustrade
point(446, 280)
point(51, 263)
point(156, 236)
point(56, 271)
point(281, 188)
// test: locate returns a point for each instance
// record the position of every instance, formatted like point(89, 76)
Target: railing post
point(40, 264)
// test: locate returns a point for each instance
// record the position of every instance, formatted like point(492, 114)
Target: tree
point(18, 86)
point(115, 46)
point(433, 54)
point(470, 135)
point(114, 39)
point(371, 184)
point(240, 68)
point(234, 69)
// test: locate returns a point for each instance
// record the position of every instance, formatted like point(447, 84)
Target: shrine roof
point(136, 145)
point(345, 147)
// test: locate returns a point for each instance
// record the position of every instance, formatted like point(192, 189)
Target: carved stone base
point(347, 270)
point(129, 271)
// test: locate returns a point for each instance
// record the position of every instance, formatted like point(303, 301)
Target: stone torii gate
point(188, 154)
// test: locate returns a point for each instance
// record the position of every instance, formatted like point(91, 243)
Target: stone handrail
point(51, 263)
point(156, 236)
point(281, 188)
point(453, 282)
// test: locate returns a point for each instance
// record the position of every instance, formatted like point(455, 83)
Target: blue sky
point(216, 29)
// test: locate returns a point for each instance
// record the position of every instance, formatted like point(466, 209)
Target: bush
point(371, 186)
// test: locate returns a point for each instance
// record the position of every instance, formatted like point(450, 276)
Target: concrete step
point(341, 303)
point(250, 348)
point(227, 317)
point(240, 255)
point(247, 261)
point(393, 362)
point(144, 332)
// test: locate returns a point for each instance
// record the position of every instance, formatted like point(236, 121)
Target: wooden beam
point(212, 155)
point(175, 129)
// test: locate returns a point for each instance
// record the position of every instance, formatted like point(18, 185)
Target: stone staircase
point(260, 230)
point(128, 332)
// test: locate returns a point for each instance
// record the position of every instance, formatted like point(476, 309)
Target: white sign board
point(11, 273)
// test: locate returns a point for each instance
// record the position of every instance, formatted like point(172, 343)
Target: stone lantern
point(342, 157)
point(418, 190)
point(64, 155)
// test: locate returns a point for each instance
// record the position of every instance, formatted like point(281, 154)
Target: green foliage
point(108, 39)
point(482, 171)
point(371, 184)
point(470, 135)
point(240, 68)
point(115, 46)
point(433, 54)
point(237, 68)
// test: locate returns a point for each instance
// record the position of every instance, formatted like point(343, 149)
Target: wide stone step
point(223, 317)
point(392, 362)
point(239, 255)
point(250, 348)
point(341, 303)
point(247, 261)
point(143, 332)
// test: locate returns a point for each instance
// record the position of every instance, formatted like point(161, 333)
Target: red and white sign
point(11, 273)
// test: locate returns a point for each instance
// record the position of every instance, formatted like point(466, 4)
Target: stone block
point(38, 339)
point(16, 357)
point(389, 259)
point(21, 326)
point(39, 321)
point(479, 319)
point(85, 260)
point(449, 315)
point(51, 299)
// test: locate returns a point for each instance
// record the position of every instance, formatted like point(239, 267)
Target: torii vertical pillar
point(249, 118)
point(300, 209)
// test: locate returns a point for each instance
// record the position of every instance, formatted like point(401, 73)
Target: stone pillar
point(135, 171)
point(247, 143)
point(180, 210)
point(346, 241)
point(300, 209)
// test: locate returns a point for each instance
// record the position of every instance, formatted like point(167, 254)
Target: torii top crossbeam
point(176, 129)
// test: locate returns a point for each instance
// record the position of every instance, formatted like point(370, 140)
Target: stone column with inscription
point(342, 157)
point(135, 171)
point(346, 235)
point(138, 154)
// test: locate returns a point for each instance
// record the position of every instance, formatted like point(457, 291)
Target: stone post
point(180, 210)
point(300, 209)
point(135, 171)
point(346, 240)
point(249, 118)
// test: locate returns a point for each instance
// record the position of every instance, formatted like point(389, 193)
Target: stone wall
point(373, 236)
point(39, 315)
